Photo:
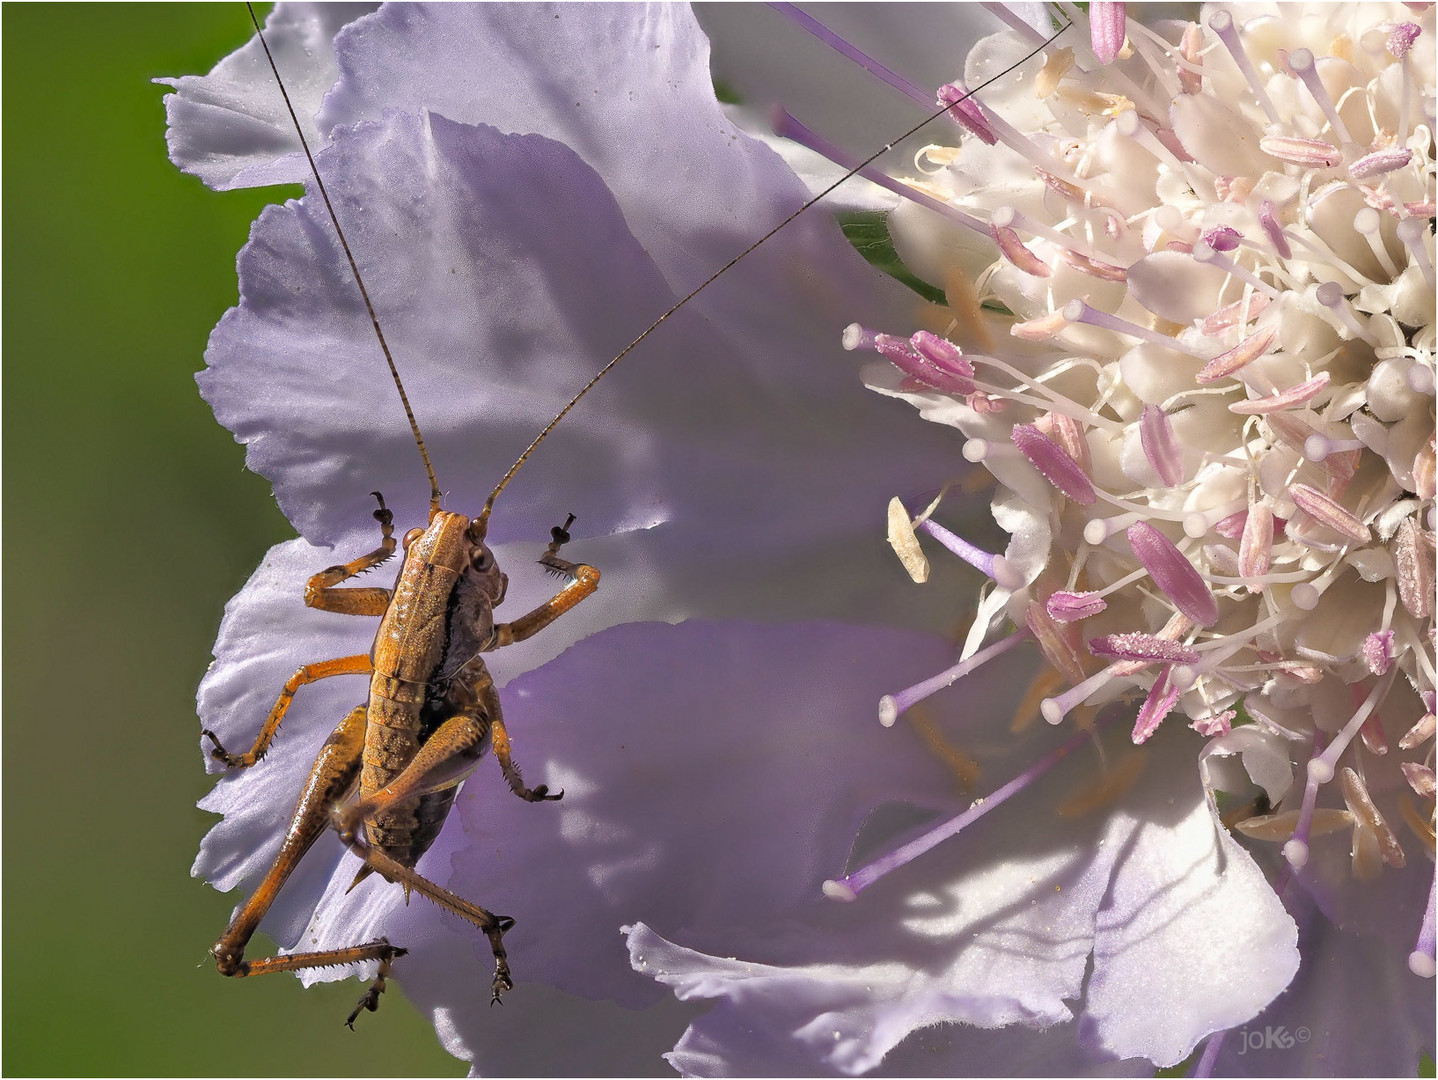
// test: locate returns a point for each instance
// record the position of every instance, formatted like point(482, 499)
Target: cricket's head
point(457, 543)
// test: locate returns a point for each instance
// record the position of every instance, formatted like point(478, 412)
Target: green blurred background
point(129, 522)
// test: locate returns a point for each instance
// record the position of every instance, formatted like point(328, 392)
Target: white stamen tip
point(1095, 532)
point(853, 336)
point(1421, 964)
point(1296, 852)
point(837, 890)
point(1183, 676)
point(1004, 575)
point(975, 450)
point(1320, 770)
point(1305, 596)
point(888, 710)
point(1195, 526)
point(1052, 711)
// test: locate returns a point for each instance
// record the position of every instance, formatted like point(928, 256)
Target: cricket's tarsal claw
point(368, 1003)
point(541, 794)
point(220, 754)
point(559, 535)
point(383, 515)
point(501, 983)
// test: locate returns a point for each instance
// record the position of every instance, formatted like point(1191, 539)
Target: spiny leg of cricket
point(388, 774)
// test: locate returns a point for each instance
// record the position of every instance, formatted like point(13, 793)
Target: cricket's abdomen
point(406, 829)
point(406, 832)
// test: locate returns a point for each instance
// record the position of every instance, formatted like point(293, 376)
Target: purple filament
point(1080, 312)
point(786, 126)
point(1221, 23)
point(1209, 1058)
point(847, 50)
point(1421, 959)
point(992, 566)
point(1300, 62)
point(849, 886)
point(892, 705)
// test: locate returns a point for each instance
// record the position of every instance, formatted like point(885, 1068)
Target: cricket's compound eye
point(481, 559)
point(410, 537)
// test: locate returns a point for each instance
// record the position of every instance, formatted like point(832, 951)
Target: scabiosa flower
point(1189, 332)
point(525, 189)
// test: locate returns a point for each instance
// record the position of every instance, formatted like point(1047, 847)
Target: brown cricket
point(388, 774)
point(432, 713)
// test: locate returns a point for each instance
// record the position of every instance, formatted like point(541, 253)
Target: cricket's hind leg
point(491, 925)
point(330, 781)
point(444, 759)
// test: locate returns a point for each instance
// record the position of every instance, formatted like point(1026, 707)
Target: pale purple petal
point(230, 127)
point(644, 761)
point(1169, 905)
point(641, 111)
point(1354, 981)
point(295, 370)
point(1170, 912)
point(547, 286)
point(647, 760)
point(519, 320)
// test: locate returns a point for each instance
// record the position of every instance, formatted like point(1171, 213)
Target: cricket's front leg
point(321, 591)
point(583, 581)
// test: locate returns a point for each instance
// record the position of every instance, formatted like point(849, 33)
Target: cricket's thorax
point(428, 669)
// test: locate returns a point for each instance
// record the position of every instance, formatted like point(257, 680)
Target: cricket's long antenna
point(489, 502)
point(373, 318)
